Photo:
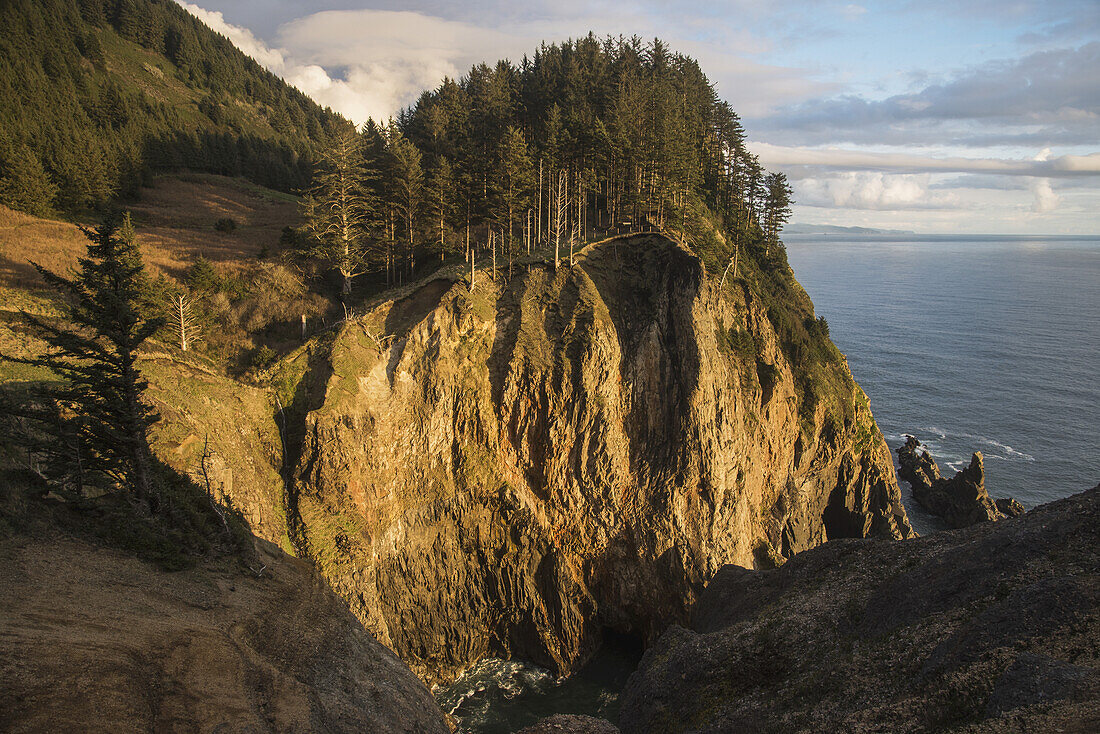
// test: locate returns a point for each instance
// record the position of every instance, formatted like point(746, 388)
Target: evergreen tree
point(339, 209)
point(100, 403)
point(777, 207)
point(513, 183)
point(408, 189)
point(24, 184)
point(202, 278)
point(441, 186)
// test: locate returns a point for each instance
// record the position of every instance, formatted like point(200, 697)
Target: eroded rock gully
point(513, 470)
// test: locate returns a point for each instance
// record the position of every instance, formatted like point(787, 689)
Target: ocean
point(976, 343)
point(987, 344)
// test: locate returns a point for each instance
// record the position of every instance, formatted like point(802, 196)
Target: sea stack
point(962, 500)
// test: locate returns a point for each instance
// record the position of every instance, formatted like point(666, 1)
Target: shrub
point(226, 225)
point(261, 357)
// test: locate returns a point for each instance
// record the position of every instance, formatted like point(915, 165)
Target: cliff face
point(514, 469)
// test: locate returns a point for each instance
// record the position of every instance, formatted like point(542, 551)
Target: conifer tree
point(339, 209)
point(408, 185)
point(441, 186)
point(513, 183)
point(777, 207)
point(24, 184)
point(96, 352)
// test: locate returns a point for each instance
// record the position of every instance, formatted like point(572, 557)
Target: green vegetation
point(98, 424)
point(585, 139)
point(85, 436)
point(97, 94)
point(226, 225)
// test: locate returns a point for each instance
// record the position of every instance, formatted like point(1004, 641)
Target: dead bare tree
point(732, 263)
point(561, 212)
point(184, 321)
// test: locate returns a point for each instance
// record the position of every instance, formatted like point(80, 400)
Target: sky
point(968, 116)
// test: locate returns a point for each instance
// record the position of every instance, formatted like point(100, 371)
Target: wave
point(944, 445)
point(490, 678)
point(1007, 449)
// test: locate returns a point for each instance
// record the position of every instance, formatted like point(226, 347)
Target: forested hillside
point(582, 138)
point(97, 94)
point(585, 139)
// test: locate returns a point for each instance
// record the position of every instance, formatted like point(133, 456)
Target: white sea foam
point(1007, 449)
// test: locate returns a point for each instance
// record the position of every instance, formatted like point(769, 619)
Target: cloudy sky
point(929, 115)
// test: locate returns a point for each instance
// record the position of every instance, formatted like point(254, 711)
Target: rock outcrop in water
point(514, 469)
point(994, 628)
point(961, 500)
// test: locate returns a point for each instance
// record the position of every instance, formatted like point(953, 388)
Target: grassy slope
point(174, 223)
point(174, 219)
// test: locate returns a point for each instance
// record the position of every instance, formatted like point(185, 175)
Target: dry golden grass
point(174, 220)
point(24, 239)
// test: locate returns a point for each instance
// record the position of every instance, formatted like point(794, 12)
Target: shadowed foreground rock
point(962, 500)
point(571, 724)
point(994, 628)
point(96, 641)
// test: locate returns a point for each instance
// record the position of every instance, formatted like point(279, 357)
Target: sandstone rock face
point(961, 500)
point(993, 628)
point(97, 641)
point(513, 470)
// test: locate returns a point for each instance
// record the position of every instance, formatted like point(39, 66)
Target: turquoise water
point(987, 344)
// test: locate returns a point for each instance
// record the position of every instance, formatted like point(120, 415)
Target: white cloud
point(872, 190)
point(797, 158)
point(1045, 198)
point(389, 57)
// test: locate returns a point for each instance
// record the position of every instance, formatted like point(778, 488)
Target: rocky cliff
point(992, 628)
point(514, 469)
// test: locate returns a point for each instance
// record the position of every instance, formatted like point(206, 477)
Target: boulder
point(992, 628)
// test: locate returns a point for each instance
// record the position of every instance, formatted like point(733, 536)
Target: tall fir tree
point(340, 209)
point(408, 190)
point(100, 410)
point(777, 207)
point(513, 184)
